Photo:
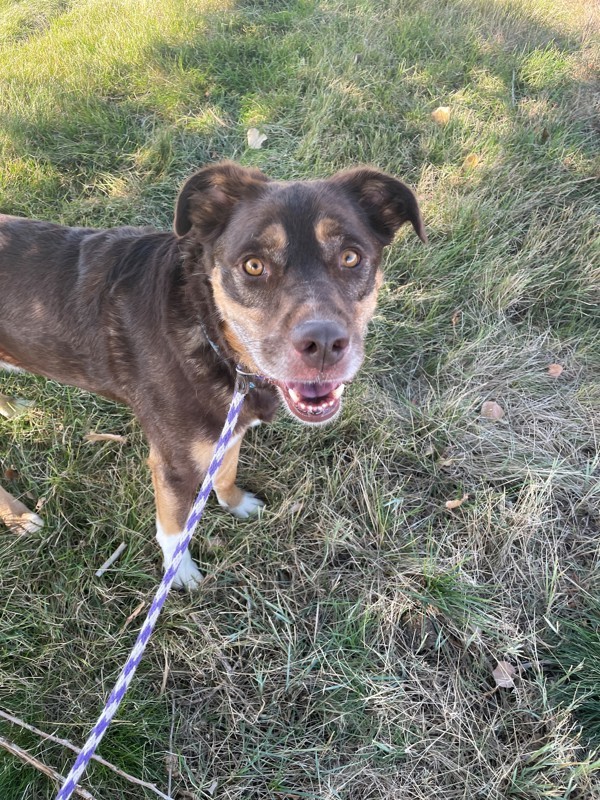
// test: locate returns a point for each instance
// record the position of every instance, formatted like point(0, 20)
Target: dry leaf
point(456, 503)
point(554, 370)
point(504, 674)
point(441, 115)
point(470, 161)
point(255, 138)
point(455, 317)
point(10, 474)
point(491, 410)
point(136, 611)
point(105, 437)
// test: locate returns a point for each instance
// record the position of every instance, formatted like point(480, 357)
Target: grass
point(342, 647)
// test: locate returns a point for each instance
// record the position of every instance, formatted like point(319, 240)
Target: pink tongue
point(312, 390)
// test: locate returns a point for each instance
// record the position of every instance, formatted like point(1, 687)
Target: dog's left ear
point(207, 199)
point(387, 202)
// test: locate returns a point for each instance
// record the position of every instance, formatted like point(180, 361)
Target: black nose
point(320, 343)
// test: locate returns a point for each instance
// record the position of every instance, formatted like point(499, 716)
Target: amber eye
point(350, 258)
point(254, 267)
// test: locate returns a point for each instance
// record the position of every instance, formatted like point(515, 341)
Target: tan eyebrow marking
point(273, 237)
point(326, 228)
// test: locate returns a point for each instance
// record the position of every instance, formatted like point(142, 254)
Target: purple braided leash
point(124, 679)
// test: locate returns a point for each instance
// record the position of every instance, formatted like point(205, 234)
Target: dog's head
point(294, 270)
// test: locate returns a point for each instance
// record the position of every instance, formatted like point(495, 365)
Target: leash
point(242, 386)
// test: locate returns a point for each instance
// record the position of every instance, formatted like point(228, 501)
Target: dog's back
point(53, 282)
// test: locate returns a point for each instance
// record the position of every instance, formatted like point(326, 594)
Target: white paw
point(188, 575)
point(25, 523)
point(249, 506)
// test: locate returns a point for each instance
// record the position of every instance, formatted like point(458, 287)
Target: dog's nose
point(321, 343)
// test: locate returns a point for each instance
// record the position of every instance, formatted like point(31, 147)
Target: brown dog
point(279, 277)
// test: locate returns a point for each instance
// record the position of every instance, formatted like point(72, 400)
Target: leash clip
point(243, 384)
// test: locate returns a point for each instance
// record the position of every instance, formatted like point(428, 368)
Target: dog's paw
point(28, 522)
point(188, 575)
point(248, 506)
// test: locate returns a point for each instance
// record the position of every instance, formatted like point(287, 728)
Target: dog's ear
point(207, 199)
point(387, 202)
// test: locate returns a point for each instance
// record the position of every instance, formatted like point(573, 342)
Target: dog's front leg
point(240, 503)
point(175, 485)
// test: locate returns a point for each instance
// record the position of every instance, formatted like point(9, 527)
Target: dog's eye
point(350, 258)
point(254, 267)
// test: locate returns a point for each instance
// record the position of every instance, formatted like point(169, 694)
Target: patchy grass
point(343, 646)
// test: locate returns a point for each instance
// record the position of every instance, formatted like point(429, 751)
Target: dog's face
point(294, 269)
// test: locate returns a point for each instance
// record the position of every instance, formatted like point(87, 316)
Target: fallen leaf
point(456, 503)
point(255, 138)
point(504, 674)
point(136, 611)
point(554, 370)
point(491, 410)
point(10, 474)
point(441, 115)
point(545, 135)
point(470, 161)
point(105, 437)
point(455, 317)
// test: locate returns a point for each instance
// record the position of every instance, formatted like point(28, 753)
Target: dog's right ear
point(208, 198)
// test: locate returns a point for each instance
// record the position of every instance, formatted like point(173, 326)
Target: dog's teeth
point(294, 395)
point(337, 393)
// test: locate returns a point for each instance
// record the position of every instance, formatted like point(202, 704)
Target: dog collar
point(243, 383)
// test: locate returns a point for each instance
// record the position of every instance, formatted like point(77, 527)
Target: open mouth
point(312, 402)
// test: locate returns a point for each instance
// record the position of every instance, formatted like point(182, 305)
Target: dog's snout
point(321, 343)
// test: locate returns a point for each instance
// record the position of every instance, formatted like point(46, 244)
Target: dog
point(278, 277)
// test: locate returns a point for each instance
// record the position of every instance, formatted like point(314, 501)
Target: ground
point(343, 646)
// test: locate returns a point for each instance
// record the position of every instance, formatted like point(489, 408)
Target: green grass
point(342, 647)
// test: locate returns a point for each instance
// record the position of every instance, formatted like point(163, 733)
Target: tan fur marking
point(170, 508)
point(202, 452)
point(273, 237)
point(11, 511)
point(229, 309)
point(225, 486)
point(366, 307)
point(326, 229)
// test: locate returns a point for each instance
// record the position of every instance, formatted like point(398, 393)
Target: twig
point(110, 560)
point(71, 746)
point(51, 773)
